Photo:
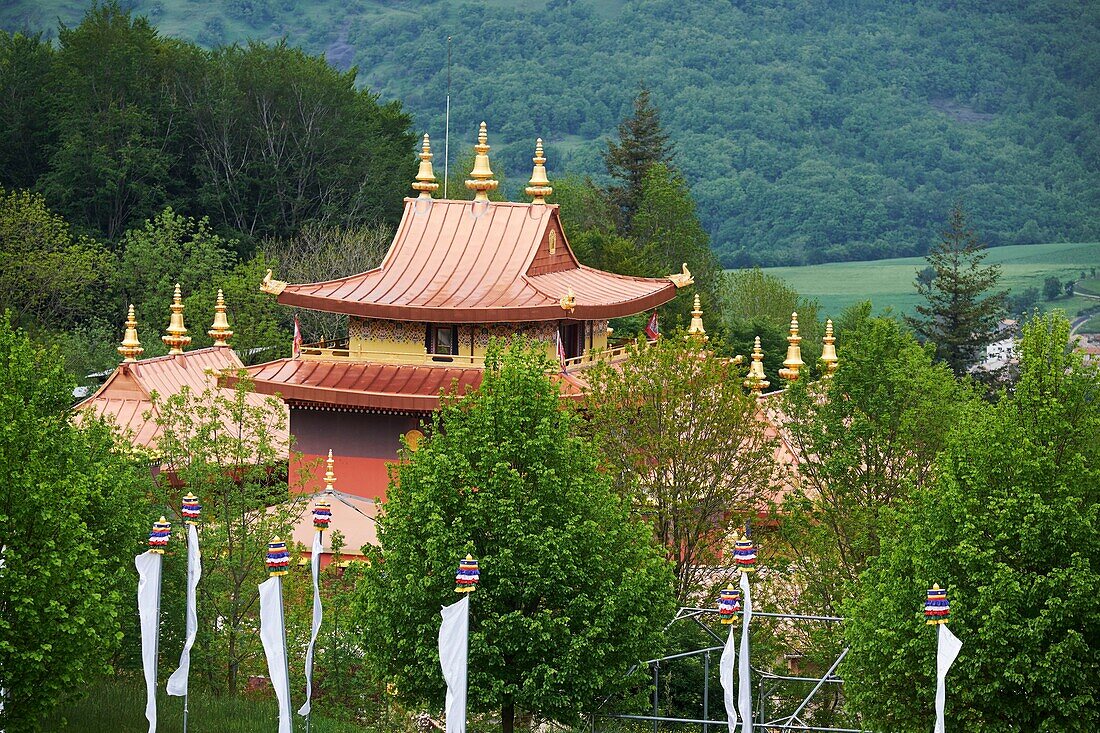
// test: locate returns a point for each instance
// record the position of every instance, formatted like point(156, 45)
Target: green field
point(889, 283)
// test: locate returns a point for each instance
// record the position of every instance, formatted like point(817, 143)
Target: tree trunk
point(507, 716)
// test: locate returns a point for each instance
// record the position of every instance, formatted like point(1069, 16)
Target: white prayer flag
point(947, 649)
point(315, 564)
point(725, 675)
point(149, 567)
point(453, 643)
point(177, 683)
point(744, 682)
point(273, 636)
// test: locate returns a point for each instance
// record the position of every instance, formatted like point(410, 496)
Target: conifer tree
point(959, 315)
point(642, 143)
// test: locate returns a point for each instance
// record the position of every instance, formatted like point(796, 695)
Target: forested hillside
point(808, 131)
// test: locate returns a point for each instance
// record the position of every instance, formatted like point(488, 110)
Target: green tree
point(118, 121)
point(753, 303)
point(70, 525)
point(168, 249)
point(48, 278)
point(283, 138)
point(1052, 288)
point(642, 144)
point(25, 86)
point(685, 444)
point(225, 447)
point(668, 234)
point(1009, 525)
point(572, 590)
point(960, 313)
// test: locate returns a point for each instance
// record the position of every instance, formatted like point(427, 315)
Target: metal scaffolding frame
point(783, 724)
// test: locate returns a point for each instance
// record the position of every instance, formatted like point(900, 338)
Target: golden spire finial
point(219, 330)
point(330, 477)
point(828, 349)
point(793, 362)
point(131, 347)
point(177, 336)
point(425, 177)
point(756, 380)
point(481, 177)
point(695, 329)
point(538, 188)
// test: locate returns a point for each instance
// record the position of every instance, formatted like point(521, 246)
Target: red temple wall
point(362, 444)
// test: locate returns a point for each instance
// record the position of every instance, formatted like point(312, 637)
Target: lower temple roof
point(368, 385)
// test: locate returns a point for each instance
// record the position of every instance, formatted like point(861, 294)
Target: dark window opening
point(572, 339)
point(441, 341)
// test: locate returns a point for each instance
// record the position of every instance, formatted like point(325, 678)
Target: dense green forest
point(808, 131)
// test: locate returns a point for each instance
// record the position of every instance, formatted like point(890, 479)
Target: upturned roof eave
point(501, 314)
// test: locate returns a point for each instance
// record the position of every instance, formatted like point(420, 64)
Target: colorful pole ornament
point(936, 607)
point(322, 515)
point(278, 559)
point(191, 509)
point(158, 538)
point(729, 603)
point(467, 577)
point(948, 646)
point(744, 555)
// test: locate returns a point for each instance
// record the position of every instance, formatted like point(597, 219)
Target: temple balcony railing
point(341, 350)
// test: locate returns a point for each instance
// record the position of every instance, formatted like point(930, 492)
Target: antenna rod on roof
point(447, 134)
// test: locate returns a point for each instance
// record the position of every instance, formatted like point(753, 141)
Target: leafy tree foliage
point(753, 303)
point(642, 144)
point(685, 444)
point(68, 535)
point(48, 277)
point(170, 248)
point(1008, 524)
point(572, 589)
point(960, 313)
point(119, 122)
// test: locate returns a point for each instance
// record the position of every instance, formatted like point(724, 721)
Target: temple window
point(441, 340)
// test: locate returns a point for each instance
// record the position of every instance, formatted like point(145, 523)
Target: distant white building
point(997, 356)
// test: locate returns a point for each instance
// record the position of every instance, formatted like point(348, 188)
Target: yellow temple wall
point(403, 341)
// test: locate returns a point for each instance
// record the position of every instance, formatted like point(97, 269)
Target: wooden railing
point(339, 350)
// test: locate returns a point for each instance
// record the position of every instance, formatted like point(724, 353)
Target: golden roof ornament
point(481, 177)
point(682, 279)
point(793, 363)
point(425, 177)
point(177, 337)
point(219, 330)
point(568, 301)
point(756, 380)
point(695, 329)
point(131, 347)
point(538, 188)
point(330, 477)
point(828, 349)
point(270, 285)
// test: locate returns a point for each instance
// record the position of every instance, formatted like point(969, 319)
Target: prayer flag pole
point(149, 566)
point(729, 603)
point(454, 640)
point(745, 556)
point(190, 510)
point(936, 610)
point(273, 629)
point(322, 515)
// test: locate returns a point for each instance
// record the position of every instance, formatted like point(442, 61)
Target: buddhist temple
point(456, 274)
point(125, 398)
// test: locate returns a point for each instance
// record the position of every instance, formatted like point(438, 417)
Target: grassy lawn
point(119, 706)
point(889, 283)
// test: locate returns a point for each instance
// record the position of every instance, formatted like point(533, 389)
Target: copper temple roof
point(452, 263)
